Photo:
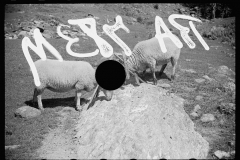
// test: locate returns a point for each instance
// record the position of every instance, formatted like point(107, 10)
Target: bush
point(225, 33)
point(155, 6)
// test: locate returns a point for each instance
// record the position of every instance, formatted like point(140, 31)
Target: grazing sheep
point(65, 76)
point(148, 54)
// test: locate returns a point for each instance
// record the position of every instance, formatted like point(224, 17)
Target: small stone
point(207, 117)
point(231, 143)
point(232, 152)
point(27, 112)
point(194, 114)
point(200, 80)
point(208, 78)
point(46, 36)
point(220, 154)
point(15, 36)
point(12, 147)
point(224, 70)
point(182, 10)
point(164, 85)
point(199, 98)
point(218, 90)
point(196, 108)
point(84, 38)
point(190, 71)
point(67, 109)
point(22, 33)
point(222, 122)
point(65, 32)
point(37, 22)
point(188, 89)
point(76, 45)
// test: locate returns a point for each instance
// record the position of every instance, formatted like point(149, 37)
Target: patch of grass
point(29, 133)
point(150, 23)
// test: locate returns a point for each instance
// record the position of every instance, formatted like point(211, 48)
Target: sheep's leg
point(79, 87)
point(174, 64)
point(136, 78)
point(38, 98)
point(40, 106)
point(154, 76)
point(162, 69)
point(97, 92)
point(75, 99)
point(152, 67)
point(78, 95)
point(125, 66)
point(143, 73)
point(34, 100)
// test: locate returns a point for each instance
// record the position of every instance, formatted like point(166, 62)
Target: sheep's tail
point(93, 96)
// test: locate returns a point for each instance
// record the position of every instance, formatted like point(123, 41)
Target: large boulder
point(139, 122)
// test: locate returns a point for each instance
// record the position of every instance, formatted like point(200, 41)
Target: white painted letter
point(185, 30)
point(39, 40)
point(109, 30)
point(159, 23)
point(198, 36)
point(71, 41)
point(105, 48)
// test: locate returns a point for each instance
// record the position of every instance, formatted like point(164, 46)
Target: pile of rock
point(152, 125)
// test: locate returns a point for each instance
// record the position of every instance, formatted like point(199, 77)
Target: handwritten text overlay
point(105, 48)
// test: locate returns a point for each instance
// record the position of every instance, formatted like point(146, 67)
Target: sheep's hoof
point(41, 109)
point(79, 108)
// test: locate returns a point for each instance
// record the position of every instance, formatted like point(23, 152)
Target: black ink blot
point(110, 75)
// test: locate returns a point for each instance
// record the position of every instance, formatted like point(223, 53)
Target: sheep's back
point(65, 73)
point(151, 49)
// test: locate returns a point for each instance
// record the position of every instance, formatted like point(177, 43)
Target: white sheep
point(148, 54)
point(65, 76)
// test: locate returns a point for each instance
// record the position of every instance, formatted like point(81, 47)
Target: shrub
point(155, 6)
point(225, 33)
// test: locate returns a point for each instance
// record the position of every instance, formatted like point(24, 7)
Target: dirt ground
point(59, 142)
point(51, 135)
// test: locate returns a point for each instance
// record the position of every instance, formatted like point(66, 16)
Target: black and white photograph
point(120, 80)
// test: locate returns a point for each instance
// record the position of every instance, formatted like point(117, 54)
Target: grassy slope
point(19, 80)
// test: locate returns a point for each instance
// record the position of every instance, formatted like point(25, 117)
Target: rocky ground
point(199, 105)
